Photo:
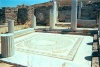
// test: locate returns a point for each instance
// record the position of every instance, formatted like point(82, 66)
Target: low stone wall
point(62, 24)
point(19, 27)
point(95, 52)
point(86, 23)
point(23, 32)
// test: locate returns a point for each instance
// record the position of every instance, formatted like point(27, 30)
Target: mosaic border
point(70, 56)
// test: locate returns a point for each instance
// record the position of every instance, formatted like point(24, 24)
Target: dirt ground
point(8, 64)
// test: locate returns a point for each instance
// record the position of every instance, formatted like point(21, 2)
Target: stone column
point(53, 15)
point(55, 10)
point(11, 26)
point(7, 45)
point(80, 7)
point(74, 15)
point(97, 18)
point(33, 22)
point(99, 24)
point(52, 24)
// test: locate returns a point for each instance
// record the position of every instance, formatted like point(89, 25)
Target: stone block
point(7, 45)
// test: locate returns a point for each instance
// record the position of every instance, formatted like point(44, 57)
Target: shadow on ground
point(88, 58)
point(1, 56)
point(90, 43)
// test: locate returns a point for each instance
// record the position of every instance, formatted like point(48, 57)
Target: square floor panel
point(53, 45)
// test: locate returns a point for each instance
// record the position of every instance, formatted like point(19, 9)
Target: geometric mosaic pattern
point(53, 45)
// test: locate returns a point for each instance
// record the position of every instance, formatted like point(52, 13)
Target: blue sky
point(14, 3)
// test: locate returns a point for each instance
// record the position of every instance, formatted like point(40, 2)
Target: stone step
point(95, 62)
point(95, 51)
point(95, 46)
point(95, 37)
point(63, 24)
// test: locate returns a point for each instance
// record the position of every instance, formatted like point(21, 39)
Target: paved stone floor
point(52, 50)
point(54, 45)
point(58, 28)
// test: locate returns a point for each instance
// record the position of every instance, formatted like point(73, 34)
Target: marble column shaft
point(55, 11)
point(80, 8)
point(33, 22)
point(99, 24)
point(97, 18)
point(52, 24)
point(7, 45)
point(74, 15)
point(53, 15)
point(11, 26)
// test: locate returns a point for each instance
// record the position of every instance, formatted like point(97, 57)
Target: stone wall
point(64, 14)
point(20, 14)
point(4, 29)
point(42, 15)
point(10, 13)
point(86, 23)
point(2, 16)
point(23, 13)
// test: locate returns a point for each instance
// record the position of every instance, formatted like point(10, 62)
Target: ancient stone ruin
point(51, 46)
point(22, 13)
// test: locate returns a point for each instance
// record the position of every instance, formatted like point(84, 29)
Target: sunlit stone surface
point(80, 8)
point(99, 24)
point(53, 15)
point(60, 46)
point(52, 24)
point(7, 42)
point(11, 26)
point(55, 11)
point(33, 21)
point(52, 50)
point(74, 15)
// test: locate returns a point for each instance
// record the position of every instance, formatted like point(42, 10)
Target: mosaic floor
point(53, 45)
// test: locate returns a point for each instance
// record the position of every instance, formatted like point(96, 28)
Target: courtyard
point(52, 50)
point(51, 34)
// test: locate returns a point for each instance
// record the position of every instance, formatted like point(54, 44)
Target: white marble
point(23, 32)
point(30, 59)
point(55, 10)
point(7, 45)
point(33, 22)
point(99, 24)
point(80, 8)
point(74, 15)
point(50, 45)
point(53, 15)
point(11, 26)
point(52, 24)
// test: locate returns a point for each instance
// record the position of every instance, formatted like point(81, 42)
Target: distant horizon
point(14, 3)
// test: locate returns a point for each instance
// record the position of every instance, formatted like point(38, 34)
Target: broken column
point(74, 15)
point(80, 8)
point(33, 22)
point(53, 15)
point(11, 26)
point(7, 45)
